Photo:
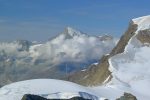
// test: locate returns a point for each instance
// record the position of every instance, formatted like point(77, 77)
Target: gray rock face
point(144, 36)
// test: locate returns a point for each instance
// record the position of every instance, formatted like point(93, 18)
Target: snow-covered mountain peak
point(72, 32)
point(142, 22)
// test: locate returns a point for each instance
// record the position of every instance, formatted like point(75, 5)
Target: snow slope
point(130, 69)
point(48, 88)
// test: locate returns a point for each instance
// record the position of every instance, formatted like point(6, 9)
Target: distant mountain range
point(60, 56)
point(125, 70)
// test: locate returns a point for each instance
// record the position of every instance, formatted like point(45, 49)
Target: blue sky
point(42, 19)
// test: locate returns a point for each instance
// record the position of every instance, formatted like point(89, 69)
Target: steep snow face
point(130, 69)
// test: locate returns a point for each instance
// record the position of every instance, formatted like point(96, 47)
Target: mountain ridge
point(104, 64)
point(127, 66)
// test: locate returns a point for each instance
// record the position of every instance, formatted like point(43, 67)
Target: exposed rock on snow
point(32, 97)
point(36, 97)
point(127, 96)
point(144, 36)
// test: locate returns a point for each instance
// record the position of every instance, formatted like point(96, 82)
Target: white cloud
point(80, 48)
point(67, 47)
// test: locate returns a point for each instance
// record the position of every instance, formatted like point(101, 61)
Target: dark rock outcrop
point(36, 97)
point(32, 97)
point(127, 96)
point(144, 36)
